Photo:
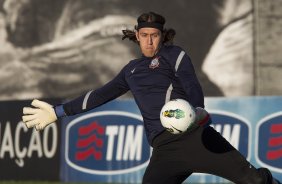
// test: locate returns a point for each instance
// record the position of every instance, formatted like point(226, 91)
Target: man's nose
point(150, 40)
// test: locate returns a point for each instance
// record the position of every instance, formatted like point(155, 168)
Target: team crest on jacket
point(154, 63)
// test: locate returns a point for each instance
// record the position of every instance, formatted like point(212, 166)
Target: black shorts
point(202, 150)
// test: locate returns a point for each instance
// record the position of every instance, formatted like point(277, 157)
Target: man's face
point(149, 40)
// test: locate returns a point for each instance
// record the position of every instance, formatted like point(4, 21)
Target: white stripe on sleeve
point(170, 88)
point(84, 104)
point(179, 59)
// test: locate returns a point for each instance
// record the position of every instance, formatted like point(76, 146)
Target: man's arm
point(42, 113)
point(95, 98)
point(186, 74)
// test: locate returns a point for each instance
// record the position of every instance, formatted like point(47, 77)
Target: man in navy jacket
point(162, 73)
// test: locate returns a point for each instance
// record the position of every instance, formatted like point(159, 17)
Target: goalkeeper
point(162, 73)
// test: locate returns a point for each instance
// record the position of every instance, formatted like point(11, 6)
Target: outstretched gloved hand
point(40, 116)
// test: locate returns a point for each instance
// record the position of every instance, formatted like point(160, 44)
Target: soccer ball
point(177, 116)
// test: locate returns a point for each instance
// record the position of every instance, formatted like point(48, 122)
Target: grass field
point(45, 182)
point(49, 182)
point(34, 182)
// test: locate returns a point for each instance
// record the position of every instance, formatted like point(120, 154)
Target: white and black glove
point(39, 117)
point(202, 117)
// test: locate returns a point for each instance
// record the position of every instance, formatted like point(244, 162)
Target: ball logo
point(234, 128)
point(177, 113)
point(269, 145)
point(106, 143)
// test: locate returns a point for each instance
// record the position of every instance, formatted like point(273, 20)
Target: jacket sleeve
point(113, 89)
point(186, 74)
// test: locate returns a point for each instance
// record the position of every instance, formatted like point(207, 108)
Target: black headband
point(150, 24)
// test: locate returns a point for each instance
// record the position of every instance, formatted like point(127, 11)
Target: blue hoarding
point(108, 144)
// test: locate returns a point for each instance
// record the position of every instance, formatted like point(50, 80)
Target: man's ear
point(137, 36)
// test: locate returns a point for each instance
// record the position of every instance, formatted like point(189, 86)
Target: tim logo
point(235, 129)
point(106, 143)
point(269, 142)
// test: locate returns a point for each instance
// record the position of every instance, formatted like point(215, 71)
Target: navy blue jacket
point(152, 81)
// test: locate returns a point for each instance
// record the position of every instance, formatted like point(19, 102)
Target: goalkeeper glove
point(202, 117)
point(39, 117)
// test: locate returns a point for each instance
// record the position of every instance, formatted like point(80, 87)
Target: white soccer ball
point(177, 116)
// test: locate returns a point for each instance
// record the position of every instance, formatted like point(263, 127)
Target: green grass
point(47, 182)
point(29, 182)
point(52, 182)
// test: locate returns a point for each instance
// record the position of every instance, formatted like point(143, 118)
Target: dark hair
point(154, 20)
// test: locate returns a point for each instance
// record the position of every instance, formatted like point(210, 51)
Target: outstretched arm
point(43, 114)
point(95, 98)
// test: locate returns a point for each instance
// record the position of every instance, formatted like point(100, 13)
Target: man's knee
point(266, 174)
point(263, 176)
